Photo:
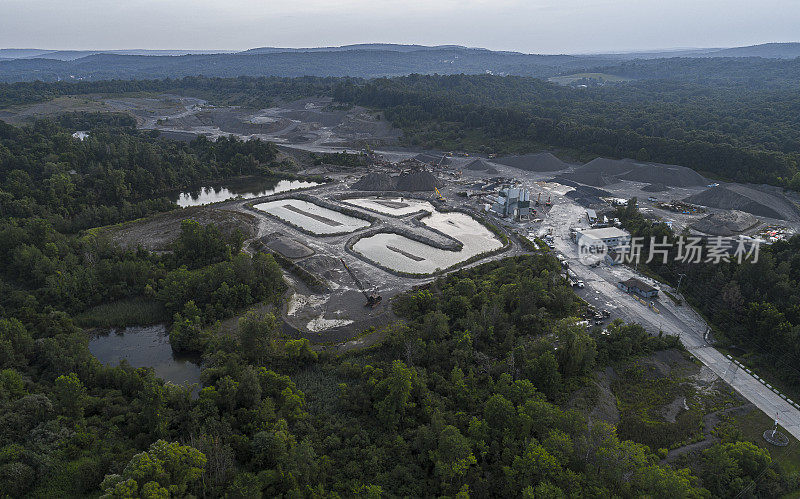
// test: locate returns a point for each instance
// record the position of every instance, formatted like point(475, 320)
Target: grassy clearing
point(129, 312)
point(751, 427)
point(601, 77)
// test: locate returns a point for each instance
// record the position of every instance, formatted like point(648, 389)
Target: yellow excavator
point(439, 196)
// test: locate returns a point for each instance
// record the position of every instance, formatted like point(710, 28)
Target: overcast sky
point(533, 26)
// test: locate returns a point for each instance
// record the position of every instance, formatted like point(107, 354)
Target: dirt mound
point(725, 224)
point(375, 182)
point(757, 200)
point(416, 181)
point(540, 162)
point(658, 187)
point(478, 165)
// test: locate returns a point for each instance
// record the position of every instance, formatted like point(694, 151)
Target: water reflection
point(246, 188)
point(145, 346)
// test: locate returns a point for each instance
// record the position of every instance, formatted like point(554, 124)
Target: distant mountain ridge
point(372, 60)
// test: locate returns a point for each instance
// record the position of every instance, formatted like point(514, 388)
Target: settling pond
point(312, 217)
point(394, 206)
point(145, 346)
point(246, 188)
point(406, 255)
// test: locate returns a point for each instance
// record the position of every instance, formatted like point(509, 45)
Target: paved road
point(601, 291)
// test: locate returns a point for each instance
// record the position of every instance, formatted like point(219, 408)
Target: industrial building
point(635, 286)
point(512, 202)
point(611, 237)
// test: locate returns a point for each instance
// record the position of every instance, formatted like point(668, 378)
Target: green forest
point(739, 129)
point(467, 396)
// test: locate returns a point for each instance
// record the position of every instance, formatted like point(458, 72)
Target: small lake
point(145, 346)
point(246, 188)
point(395, 206)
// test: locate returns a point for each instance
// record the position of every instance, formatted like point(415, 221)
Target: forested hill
point(769, 63)
point(364, 63)
point(740, 131)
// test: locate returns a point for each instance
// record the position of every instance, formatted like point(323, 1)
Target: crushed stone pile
point(585, 177)
point(725, 224)
point(539, 162)
point(584, 195)
point(478, 165)
point(416, 181)
point(762, 201)
point(610, 167)
point(604, 171)
point(658, 187)
point(671, 175)
point(375, 182)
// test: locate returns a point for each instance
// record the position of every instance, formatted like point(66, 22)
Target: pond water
point(145, 346)
point(312, 217)
point(395, 206)
point(246, 188)
point(406, 255)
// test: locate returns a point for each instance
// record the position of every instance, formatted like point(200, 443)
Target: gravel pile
point(375, 182)
point(416, 181)
point(762, 201)
point(671, 175)
point(610, 167)
point(478, 165)
point(725, 224)
point(604, 171)
point(539, 162)
point(583, 194)
point(586, 177)
point(655, 188)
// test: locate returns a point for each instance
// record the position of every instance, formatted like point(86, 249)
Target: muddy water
point(312, 217)
point(395, 206)
point(406, 255)
point(246, 188)
point(145, 347)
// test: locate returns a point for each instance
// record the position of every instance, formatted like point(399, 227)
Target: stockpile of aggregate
point(609, 167)
point(604, 171)
point(658, 187)
point(375, 182)
point(539, 162)
point(586, 177)
point(671, 175)
point(725, 224)
point(416, 181)
point(762, 201)
point(478, 165)
point(584, 195)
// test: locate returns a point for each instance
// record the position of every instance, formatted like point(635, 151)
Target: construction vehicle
point(439, 196)
point(538, 199)
point(373, 298)
point(548, 202)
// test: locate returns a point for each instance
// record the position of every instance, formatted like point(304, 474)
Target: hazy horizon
point(534, 26)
